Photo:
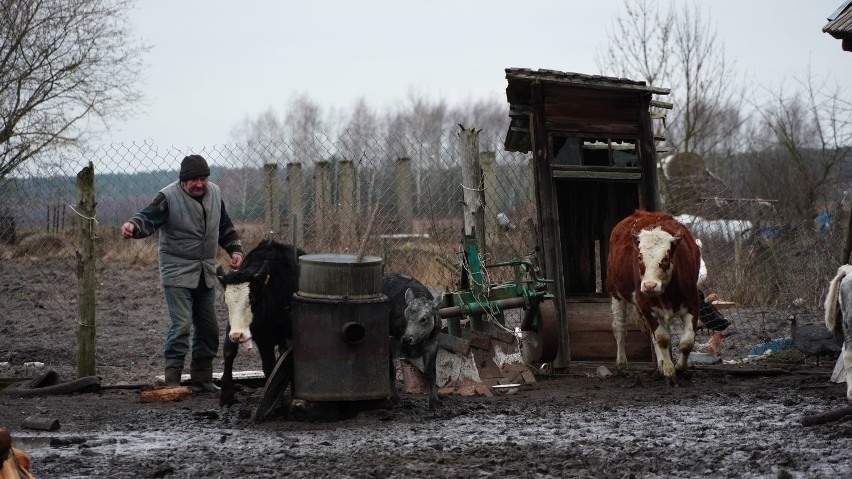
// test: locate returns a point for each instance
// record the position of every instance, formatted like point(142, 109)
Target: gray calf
point(840, 290)
point(414, 327)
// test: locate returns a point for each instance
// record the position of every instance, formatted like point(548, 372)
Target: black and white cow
point(258, 298)
point(414, 327)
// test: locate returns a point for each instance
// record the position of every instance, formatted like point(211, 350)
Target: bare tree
point(420, 122)
point(258, 142)
point(640, 44)
point(705, 94)
point(487, 114)
point(799, 159)
point(304, 127)
point(62, 63)
point(264, 135)
point(358, 142)
point(676, 49)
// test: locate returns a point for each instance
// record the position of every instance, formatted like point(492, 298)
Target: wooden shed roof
point(519, 96)
point(840, 25)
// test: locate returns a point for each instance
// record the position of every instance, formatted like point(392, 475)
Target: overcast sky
point(215, 62)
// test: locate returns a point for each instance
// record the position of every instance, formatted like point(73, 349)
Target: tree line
point(69, 67)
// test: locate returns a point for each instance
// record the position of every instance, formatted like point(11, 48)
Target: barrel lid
point(330, 275)
point(339, 258)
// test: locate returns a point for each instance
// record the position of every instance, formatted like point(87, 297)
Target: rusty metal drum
point(341, 345)
point(340, 349)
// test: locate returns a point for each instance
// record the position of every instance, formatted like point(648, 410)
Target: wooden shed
point(594, 155)
point(839, 25)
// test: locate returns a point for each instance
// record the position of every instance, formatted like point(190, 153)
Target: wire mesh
point(319, 192)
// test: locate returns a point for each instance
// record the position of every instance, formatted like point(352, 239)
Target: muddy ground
point(723, 421)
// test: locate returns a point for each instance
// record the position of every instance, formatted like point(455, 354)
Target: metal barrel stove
point(340, 329)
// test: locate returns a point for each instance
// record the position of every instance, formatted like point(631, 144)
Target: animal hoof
point(227, 399)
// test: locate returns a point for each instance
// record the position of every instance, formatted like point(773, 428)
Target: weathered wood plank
point(165, 394)
point(590, 329)
point(597, 175)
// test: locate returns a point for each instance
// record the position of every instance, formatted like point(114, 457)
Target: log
point(164, 394)
point(827, 416)
point(40, 423)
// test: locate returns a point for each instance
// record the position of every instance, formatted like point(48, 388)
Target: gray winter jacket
point(188, 240)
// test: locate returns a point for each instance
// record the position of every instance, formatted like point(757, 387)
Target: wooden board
point(165, 394)
point(238, 377)
point(591, 338)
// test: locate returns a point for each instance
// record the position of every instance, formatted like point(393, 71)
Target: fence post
point(404, 185)
point(474, 215)
point(295, 202)
point(346, 204)
point(488, 162)
point(86, 272)
point(272, 210)
point(322, 200)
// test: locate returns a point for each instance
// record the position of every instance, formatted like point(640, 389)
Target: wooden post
point(272, 210)
point(647, 151)
point(488, 162)
point(295, 202)
point(404, 185)
point(474, 214)
point(322, 200)
point(346, 204)
point(86, 272)
point(549, 240)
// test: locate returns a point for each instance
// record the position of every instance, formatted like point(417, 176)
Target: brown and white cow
point(652, 268)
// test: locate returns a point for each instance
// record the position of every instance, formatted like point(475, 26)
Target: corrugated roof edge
point(839, 10)
point(571, 77)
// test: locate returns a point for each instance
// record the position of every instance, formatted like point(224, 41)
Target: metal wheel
point(542, 333)
point(548, 330)
point(276, 384)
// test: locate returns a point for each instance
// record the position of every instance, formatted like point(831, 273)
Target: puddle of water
point(139, 443)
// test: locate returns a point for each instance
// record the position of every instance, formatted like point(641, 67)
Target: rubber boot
point(201, 376)
point(174, 371)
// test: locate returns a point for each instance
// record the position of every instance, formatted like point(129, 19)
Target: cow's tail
point(832, 297)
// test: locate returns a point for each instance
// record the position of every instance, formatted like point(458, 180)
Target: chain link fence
point(762, 271)
point(319, 193)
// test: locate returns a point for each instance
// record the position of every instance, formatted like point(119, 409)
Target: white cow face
point(239, 311)
point(655, 259)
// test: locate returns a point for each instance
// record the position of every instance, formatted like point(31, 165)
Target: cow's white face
point(239, 312)
point(655, 261)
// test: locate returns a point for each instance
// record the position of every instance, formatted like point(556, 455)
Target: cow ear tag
point(266, 280)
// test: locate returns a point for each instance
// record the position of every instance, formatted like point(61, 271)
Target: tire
point(25, 388)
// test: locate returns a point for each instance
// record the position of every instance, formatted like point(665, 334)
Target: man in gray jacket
point(192, 220)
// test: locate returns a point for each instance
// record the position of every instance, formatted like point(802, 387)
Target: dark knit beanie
point(193, 166)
